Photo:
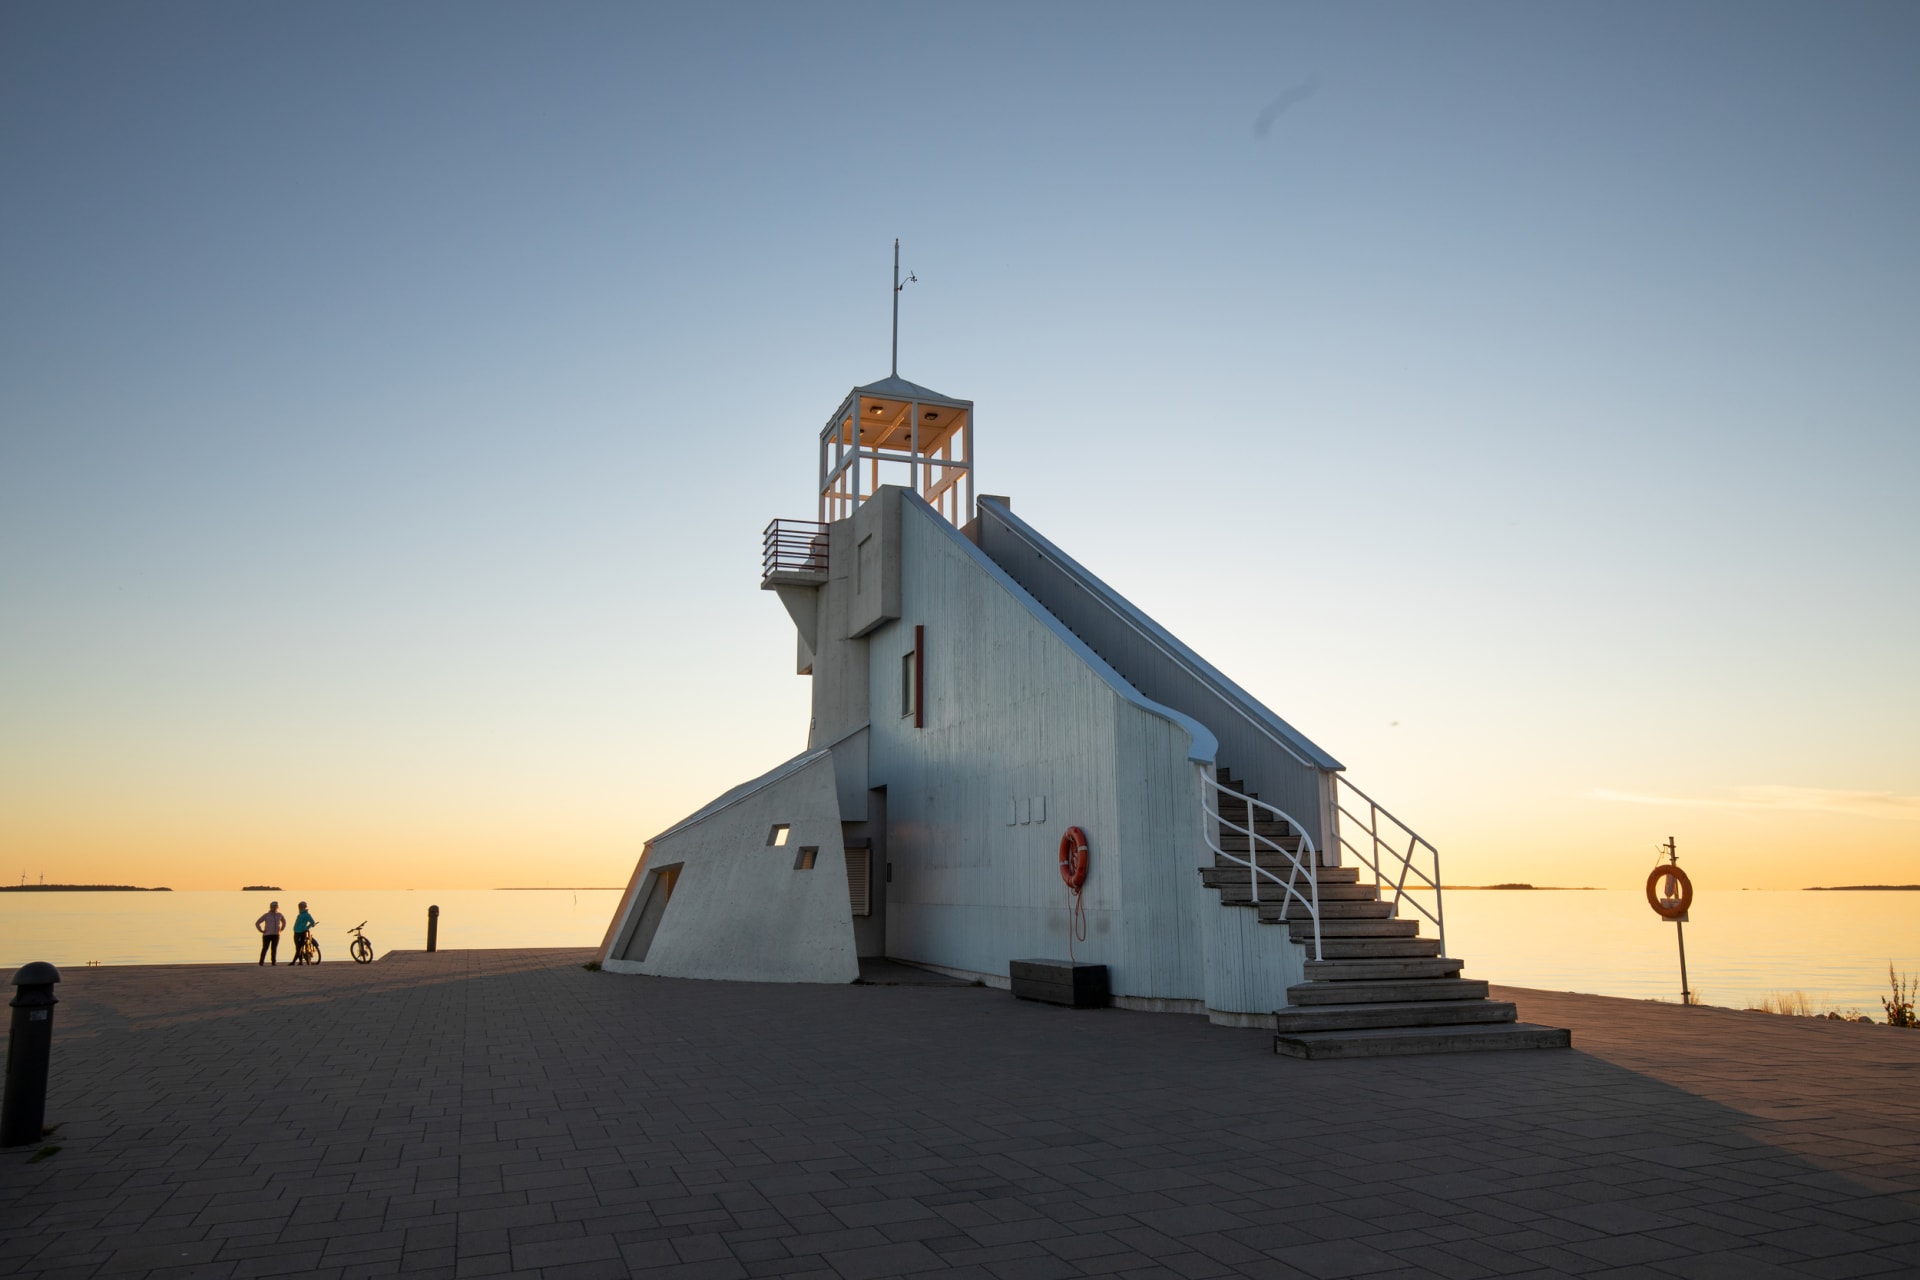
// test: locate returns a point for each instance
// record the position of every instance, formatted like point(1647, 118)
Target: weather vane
point(898, 285)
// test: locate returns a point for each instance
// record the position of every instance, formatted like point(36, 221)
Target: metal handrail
point(1210, 797)
point(1416, 844)
point(793, 546)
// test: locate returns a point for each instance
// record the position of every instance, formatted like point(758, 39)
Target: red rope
point(1076, 923)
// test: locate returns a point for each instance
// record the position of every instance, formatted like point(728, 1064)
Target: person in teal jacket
point(301, 924)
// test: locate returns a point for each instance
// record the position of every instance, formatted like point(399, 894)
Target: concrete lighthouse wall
point(959, 728)
point(1027, 732)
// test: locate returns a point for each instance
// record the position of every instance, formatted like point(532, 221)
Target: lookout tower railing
point(795, 549)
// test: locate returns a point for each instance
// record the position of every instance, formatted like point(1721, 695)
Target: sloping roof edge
point(727, 799)
point(1202, 749)
point(1289, 737)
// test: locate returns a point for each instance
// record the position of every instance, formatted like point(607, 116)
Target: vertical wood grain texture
point(1011, 710)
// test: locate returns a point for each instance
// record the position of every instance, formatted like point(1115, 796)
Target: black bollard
point(433, 928)
point(23, 1112)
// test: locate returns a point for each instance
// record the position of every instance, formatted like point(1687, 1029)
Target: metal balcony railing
point(794, 546)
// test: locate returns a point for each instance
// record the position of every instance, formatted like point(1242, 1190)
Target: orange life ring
point(1666, 908)
point(1073, 858)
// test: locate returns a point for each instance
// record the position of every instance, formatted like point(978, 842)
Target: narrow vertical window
point(860, 881)
point(906, 684)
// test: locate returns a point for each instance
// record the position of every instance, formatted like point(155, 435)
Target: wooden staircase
point(1380, 988)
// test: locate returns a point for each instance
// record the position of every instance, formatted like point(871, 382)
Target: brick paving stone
point(507, 1113)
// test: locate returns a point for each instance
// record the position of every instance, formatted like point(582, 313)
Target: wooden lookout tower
point(896, 432)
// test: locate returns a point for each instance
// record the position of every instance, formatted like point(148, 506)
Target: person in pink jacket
point(270, 926)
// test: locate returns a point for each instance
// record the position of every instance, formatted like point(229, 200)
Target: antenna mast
point(898, 285)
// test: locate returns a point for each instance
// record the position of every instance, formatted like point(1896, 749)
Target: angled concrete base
point(1387, 1042)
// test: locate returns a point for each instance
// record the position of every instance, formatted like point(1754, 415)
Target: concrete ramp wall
point(752, 888)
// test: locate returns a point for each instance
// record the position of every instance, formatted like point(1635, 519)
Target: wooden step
point(1236, 841)
point(1289, 845)
point(1382, 969)
point(1302, 930)
point(1238, 881)
point(1386, 992)
point(1369, 948)
point(1275, 861)
point(1423, 1013)
point(1292, 910)
point(1272, 860)
point(1385, 1042)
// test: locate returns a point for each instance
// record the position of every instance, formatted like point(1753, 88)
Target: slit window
point(804, 860)
point(777, 837)
point(913, 679)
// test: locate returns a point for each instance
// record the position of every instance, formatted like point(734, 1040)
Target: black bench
point(1078, 986)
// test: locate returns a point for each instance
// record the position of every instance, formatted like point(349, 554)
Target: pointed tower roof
point(895, 387)
point(892, 431)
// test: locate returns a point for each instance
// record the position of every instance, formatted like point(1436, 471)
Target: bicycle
point(361, 948)
point(308, 951)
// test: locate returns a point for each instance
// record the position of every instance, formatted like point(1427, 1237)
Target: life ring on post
point(1073, 858)
point(1668, 908)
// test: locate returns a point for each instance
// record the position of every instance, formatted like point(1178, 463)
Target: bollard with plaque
point(23, 1111)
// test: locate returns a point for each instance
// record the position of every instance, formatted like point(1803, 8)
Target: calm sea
point(213, 926)
point(1741, 946)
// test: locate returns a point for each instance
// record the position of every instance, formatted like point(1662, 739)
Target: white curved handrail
point(1304, 864)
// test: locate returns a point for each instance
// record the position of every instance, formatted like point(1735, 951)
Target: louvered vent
point(860, 881)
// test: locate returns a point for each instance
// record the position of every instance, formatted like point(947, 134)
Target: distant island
point(1861, 888)
point(82, 888)
point(261, 888)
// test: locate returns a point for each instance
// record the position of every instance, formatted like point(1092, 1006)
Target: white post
point(968, 432)
point(1329, 818)
point(855, 468)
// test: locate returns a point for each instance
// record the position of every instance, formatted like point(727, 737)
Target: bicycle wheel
point(315, 945)
point(362, 951)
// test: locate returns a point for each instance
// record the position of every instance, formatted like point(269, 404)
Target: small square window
point(778, 836)
point(804, 860)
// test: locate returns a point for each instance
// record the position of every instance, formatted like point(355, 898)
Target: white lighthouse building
point(982, 703)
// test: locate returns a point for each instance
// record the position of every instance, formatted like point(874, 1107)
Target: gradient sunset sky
point(1522, 399)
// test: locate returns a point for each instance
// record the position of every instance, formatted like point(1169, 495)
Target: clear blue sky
point(391, 398)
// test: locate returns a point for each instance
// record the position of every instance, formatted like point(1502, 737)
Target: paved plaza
point(486, 1113)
